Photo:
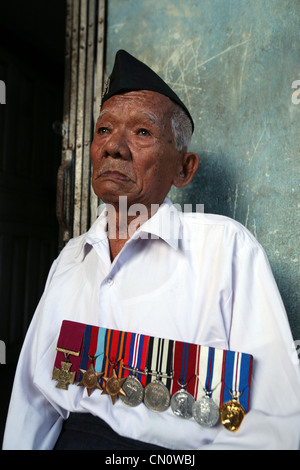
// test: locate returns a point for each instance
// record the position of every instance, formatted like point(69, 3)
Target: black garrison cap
point(131, 74)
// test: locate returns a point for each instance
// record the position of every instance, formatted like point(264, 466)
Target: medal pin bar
point(155, 369)
point(156, 395)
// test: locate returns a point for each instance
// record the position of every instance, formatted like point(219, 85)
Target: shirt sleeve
point(260, 327)
point(33, 423)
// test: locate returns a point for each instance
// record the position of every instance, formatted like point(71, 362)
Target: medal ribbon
point(100, 349)
point(114, 352)
point(160, 360)
point(135, 355)
point(208, 370)
point(70, 339)
point(236, 377)
point(93, 344)
point(184, 366)
point(93, 348)
point(86, 348)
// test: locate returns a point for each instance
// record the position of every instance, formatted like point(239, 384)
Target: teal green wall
point(233, 63)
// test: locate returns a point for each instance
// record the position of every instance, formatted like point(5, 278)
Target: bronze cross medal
point(63, 375)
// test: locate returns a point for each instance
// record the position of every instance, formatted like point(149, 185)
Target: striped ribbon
point(113, 352)
point(223, 373)
point(135, 355)
point(236, 378)
point(160, 360)
point(184, 366)
point(89, 347)
point(208, 371)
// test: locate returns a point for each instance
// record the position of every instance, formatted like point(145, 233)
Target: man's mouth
point(114, 175)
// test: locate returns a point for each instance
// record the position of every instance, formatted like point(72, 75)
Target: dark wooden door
point(32, 39)
point(29, 159)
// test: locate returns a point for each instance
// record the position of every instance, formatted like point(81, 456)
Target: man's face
point(133, 151)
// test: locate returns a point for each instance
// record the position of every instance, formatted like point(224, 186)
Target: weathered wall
point(233, 63)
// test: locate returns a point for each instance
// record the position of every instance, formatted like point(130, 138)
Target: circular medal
point(134, 391)
point(232, 415)
point(206, 412)
point(182, 404)
point(157, 397)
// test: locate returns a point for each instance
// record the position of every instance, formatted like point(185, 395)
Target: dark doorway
point(32, 37)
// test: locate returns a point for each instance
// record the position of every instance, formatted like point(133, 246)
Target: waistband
point(83, 431)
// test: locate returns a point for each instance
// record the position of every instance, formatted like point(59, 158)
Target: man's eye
point(102, 130)
point(143, 132)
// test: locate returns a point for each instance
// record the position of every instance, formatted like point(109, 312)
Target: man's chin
point(111, 190)
point(114, 197)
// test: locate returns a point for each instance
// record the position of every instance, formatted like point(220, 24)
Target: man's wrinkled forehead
point(146, 114)
point(145, 104)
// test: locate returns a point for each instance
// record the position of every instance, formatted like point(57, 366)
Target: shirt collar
point(165, 224)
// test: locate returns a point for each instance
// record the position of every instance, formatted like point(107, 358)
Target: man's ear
point(186, 173)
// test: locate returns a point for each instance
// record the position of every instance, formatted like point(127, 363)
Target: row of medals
point(156, 397)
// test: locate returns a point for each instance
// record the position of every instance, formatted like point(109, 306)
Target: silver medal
point(134, 391)
point(206, 412)
point(157, 396)
point(182, 404)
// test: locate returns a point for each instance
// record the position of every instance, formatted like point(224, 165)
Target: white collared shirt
point(198, 278)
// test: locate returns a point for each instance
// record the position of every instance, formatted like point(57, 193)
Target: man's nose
point(116, 146)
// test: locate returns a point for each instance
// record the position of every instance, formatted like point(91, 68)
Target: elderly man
point(146, 268)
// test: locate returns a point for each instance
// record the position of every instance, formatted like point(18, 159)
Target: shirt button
point(109, 281)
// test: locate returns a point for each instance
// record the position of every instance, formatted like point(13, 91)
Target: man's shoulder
point(221, 225)
point(75, 243)
point(73, 251)
point(203, 218)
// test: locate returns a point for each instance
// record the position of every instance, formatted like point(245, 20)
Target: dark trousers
point(83, 431)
